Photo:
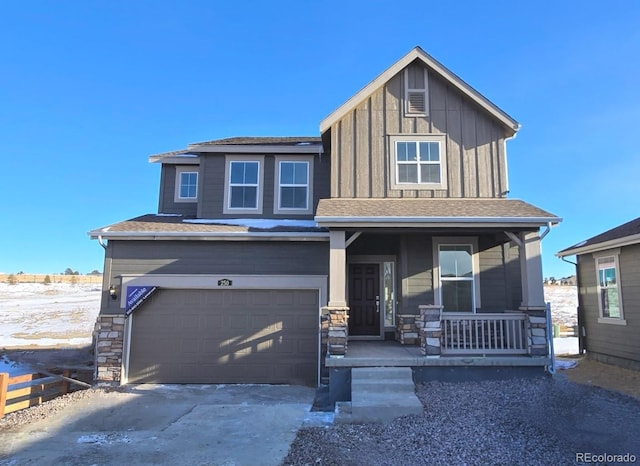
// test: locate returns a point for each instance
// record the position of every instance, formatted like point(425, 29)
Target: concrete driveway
point(166, 424)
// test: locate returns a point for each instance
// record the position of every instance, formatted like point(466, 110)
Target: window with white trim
point(243, 184)
point(456, 276)
point(293, 185)
point(416, 95)
point(608, 288)
point(419, 162)
point(186, 184)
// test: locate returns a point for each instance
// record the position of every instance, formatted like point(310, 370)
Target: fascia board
point(614, 243)
point(436, 221)
point(222, 236)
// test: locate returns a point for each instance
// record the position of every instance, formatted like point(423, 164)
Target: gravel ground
point(523, 421)
point(44, 410)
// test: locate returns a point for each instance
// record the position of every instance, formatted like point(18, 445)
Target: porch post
point(531, 272)
point(337, 269)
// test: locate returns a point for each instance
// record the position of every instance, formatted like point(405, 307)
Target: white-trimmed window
point(243, 180)
point(608, 287)
point(293, 185)
point(186, 184)
point(419, 162)
point(456, 274)
point(416, 95)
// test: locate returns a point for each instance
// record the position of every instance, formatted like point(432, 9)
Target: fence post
point(4, 384)
point(65, 383)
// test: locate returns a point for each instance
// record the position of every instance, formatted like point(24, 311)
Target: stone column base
point(109, 341)
point(338, 330)
point(431, 331)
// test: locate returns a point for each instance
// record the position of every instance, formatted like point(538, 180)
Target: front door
point(364, 300)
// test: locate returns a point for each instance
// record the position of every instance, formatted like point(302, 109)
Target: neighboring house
point(608, 271)
point(396, 213)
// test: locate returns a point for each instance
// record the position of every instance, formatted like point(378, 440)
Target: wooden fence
point(53, 278)
point(23, 391)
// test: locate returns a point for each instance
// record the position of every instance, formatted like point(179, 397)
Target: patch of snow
point(103, 439)
point(565, 364)
point(564, 304)
point(168, 215)
point(255, 222)
point(34, 314)
point(566, 345)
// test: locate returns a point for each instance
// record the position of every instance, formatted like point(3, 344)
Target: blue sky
point(89, 89)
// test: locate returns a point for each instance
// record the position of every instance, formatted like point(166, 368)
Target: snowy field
point(60, 314)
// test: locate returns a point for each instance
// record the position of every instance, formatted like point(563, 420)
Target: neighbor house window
point(419, 162)
point(186, 184)
point(608, 288)
point(243, 180)
point(293, 182)
point(457, 277)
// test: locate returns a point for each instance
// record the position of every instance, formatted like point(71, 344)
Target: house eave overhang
point(603, 246)
point(511, 125)
point(176, 159)
point(208, 236)
point(257, 149)
point(435, 222)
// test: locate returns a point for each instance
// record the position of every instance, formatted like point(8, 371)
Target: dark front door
point(364, 299)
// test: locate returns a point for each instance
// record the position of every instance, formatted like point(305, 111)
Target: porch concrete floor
point(393, 354)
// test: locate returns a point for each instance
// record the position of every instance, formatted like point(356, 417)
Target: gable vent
point(416, 102)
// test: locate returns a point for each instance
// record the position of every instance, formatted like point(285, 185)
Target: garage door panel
point(226, 336)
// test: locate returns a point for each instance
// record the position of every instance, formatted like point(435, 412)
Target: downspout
point(101, 242)
point(551, 368)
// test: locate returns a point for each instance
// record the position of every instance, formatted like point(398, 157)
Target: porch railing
point(499, 333)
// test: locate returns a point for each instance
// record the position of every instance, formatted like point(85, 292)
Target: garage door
point(226, 336)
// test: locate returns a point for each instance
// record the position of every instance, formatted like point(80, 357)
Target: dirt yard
point(617, 379)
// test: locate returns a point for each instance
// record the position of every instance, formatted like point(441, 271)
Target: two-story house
point(267, 253)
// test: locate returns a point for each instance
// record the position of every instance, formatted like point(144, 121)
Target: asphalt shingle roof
point(437, 208)
point(627, 229)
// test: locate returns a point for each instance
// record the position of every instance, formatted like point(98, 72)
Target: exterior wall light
point(113, 292)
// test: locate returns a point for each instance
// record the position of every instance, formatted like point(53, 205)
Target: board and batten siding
point(617, 341)
point(211, 257)
point(476, 162)
point(500, 287)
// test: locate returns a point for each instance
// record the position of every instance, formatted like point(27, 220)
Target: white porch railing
point(499, 333)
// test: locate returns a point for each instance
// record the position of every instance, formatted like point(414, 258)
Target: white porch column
point(531, 272)
point(337, 269)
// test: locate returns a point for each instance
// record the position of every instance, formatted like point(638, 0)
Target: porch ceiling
point(457, 213)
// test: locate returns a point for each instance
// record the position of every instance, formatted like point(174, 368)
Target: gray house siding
point(500, 287)
point(617, 344)
point(211, 257)
point(213, 187)
point(166, 202)
point(474, 144)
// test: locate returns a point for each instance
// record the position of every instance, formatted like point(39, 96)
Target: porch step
point(380, 394)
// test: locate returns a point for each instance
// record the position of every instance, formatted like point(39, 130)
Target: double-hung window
point(418, 162)
point(293, 185)
point(186, 184)
point(608, 288)
point(244, 184)
point(457, 279)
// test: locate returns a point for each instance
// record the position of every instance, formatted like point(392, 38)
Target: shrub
point(11, 279)
point(47, 280)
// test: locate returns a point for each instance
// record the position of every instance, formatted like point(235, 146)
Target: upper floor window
point(243, 185)
point(416, 100)
point(419, 162)
point(186, 184)
point(293, 185)
point(608, 288)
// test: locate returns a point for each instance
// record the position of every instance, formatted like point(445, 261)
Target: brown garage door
point(226, 336)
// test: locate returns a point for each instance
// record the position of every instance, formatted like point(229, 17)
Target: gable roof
point(430, 212)
point(623, 235)
point(418, 54)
